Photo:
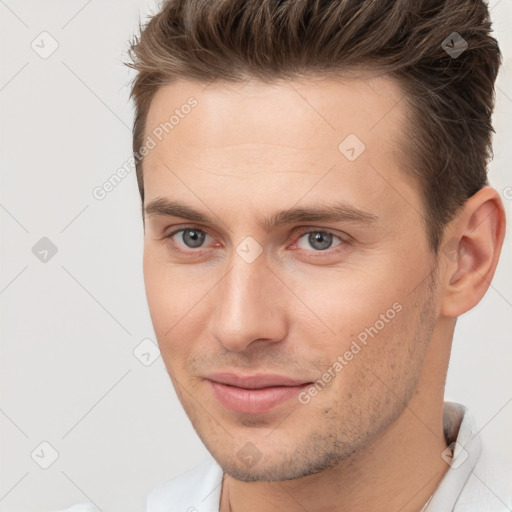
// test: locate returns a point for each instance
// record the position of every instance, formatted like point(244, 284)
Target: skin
point(372, 439)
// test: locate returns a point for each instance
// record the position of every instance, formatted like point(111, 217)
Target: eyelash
point(301, 233)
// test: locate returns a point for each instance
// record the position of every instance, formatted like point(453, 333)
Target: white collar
point(463, 451)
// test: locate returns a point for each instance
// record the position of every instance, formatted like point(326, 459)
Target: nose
point(250, 305)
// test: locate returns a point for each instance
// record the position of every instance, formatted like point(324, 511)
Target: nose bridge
point(246, 304)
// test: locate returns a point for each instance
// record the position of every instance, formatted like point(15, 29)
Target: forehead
point(256, 111)
point(278, 139)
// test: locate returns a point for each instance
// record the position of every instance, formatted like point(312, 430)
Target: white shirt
point(476, 481)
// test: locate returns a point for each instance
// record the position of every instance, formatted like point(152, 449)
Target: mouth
point(254, 394)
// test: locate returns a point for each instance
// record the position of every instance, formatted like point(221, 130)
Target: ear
point(471, 249)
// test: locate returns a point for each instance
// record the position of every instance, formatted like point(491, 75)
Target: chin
point(279, 471)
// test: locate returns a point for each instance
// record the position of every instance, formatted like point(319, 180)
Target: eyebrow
point(340, 211)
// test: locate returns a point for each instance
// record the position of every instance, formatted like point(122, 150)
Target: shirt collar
point(462, 453)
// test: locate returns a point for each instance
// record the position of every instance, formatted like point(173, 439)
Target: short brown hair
point(450, 97)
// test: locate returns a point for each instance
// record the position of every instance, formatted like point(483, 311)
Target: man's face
point(235, 295)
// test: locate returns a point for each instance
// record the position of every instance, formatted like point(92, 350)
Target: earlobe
point(472, 251)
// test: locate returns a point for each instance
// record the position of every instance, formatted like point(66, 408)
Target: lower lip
point(254, 401)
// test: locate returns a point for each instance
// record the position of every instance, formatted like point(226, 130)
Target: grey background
point(70, 325)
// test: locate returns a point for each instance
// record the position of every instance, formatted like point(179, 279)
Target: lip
point(254, 394)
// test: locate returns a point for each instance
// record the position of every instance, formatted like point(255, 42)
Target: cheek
point(167, 301)
point(346, 302)
point(363, 323)
point(154, 282)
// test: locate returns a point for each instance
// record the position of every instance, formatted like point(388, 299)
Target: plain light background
point(70, 325)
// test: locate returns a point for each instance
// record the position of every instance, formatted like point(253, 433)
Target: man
point(316, 216)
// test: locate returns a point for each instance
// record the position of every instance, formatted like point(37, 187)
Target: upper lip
point(256, 381)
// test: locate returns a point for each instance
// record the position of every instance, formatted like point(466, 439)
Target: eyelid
point(314, 229)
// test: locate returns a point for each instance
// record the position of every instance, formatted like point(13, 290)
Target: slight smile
point(254, 394)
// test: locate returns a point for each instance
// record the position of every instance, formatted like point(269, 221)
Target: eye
point(191, 238)
point(319, 240)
